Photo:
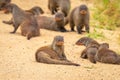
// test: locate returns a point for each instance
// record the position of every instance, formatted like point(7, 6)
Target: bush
point(96, 34)
point(107, 13)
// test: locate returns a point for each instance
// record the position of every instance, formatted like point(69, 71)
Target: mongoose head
point(58, 40)
point(104, 45)
point(59, 16)
point(83, 9)
point(84, 41)
point(36, 10)
point(9, 7)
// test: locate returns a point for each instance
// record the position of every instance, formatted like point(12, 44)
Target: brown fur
point(35, 10)
point(3, 3)
point(105, 55)
point(63, 5)
point(30, 28)
point(79, 17)
point(53, 54)
point(90, 50)
point(27, 21)
point(52, 23)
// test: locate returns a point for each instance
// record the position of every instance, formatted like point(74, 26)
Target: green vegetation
point(107, 14)
point(96, 34)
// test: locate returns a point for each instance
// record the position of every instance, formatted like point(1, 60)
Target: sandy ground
point(17, 55)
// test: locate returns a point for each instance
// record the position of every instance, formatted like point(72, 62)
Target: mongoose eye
point(83, 7)
point(79, 42)
point(61, 40)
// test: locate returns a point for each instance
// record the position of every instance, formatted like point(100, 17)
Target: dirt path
point(17, 55)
